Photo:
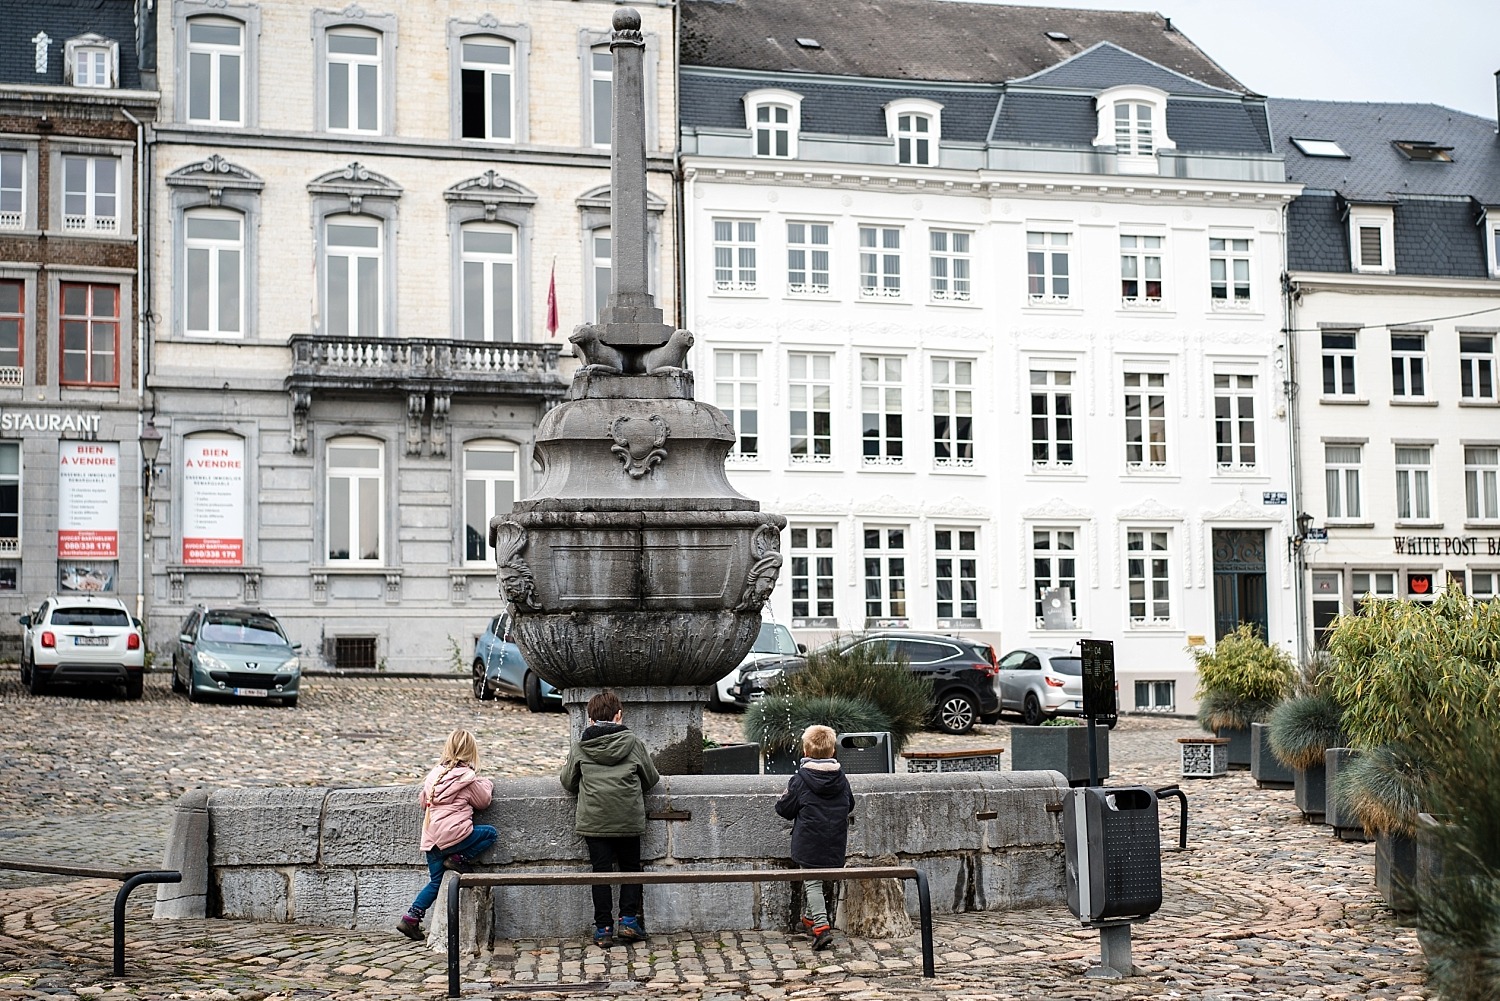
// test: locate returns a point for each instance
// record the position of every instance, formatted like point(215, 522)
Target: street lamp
point(1294, 544)
point(150, 449)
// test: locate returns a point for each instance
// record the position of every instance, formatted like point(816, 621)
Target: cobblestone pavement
point(1260, 906)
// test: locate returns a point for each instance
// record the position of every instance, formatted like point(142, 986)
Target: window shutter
point(1369, 247)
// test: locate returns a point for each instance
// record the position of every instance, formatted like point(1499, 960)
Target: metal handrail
point(131, 878)
point(924, 901)
point(1182, 819)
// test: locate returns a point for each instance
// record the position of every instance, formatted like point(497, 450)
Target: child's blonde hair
point(818, 741)
point(461, 749)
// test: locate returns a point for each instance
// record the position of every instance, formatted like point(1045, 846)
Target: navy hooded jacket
point(819, 803)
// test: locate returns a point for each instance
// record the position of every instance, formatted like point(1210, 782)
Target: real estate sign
point(88, 500)
point(213, 502)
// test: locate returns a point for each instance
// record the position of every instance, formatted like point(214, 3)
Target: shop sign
point(51, 421)
point(1273, 497)
point(1447, 545)
point(88, 500)
point(213, 502)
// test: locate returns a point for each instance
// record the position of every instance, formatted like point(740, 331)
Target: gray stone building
point(76, 96)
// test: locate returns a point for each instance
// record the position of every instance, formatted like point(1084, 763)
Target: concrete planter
point(1239, 745)
point(732, 759)
point(1396, 870)
point(1310, 787)
point(1267, 771)
point(1060, 749)
point(1344, 823)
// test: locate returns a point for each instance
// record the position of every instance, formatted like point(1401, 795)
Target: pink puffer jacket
point(451, 795)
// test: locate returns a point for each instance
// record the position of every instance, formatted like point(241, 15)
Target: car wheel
point(481, 685)
point(1031, 711)
point(37, 684)
point(134, 686)
point(533, 688)
point(192, 693)
point(177, 685)
point(956, 713)
point(25, 671)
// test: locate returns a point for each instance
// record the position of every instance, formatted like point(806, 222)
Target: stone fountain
point(635, 565)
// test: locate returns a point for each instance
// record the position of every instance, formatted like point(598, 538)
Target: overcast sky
point(1439, 51)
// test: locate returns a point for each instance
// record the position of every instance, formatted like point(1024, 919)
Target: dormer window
point(92, 61)
point(774, 117)
point(1370, 238)
point(1416, 149)
point(916, 126)
point(1134, 121)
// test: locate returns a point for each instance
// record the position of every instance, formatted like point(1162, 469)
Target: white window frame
point(1477, 366)
point(884, 571)
point(216, 54)
point(1414, 499)
point(601, 268)
point(1048, 392)
point(1138, 253)
point(356, 324)
point(1235, 414)
point(953, 402)
point(812, 569)
point(213, 251)
point(1153, 452)
point(1408, 364)
point(356, 475)
point(1340, 361)
point(92, 220)
point(1327, 589)
point(1224, 250)
point(97, 57)
point(488, 482)
point(13, 195)
point(352, 62)
point(1492, 239)
point(490, 263)
point(1484, 583)
point(950, 265)
point(880, 261)
point(489, 72)
point(601, 85)
point(24, 321)
point(10, 545)
point(1052, 554)
point(1044, 248)
point(1481, 483)
point(803, 272)
point(809, 377)
point(737, 394)
point(1154, 692)
point(882, 396)
point(1343, 499)
point(1155, 610)
point(1137, 157)
point(736, 261)
point(901, 124)
point(1380, 218)
point(772, 98)
point(1377, 584)
point(955, 566)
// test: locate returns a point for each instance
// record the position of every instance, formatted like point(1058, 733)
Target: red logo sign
point(1419, 583)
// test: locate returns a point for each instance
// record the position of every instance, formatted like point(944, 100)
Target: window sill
point(1413, 401)
point(826, 296)
point(956, 303)
point(881, 466)
point(1479, 403)
point(969, 470)
point(1057, 473)
point(1052, 309)
point(1483, 524)
point(883, 300)
point(737, 293)
point(820, 463)
point(1164, 475)
point(1241, 473)
point(1330, 523)
point(1418, 524)
point(1150, 312)
point(1164, 628)
point(1343, 401)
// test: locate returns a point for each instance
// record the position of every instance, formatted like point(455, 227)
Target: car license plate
point(91, 641)
point(258, 693)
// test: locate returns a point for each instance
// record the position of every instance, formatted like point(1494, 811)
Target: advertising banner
point(88, 500)
point(213, 502)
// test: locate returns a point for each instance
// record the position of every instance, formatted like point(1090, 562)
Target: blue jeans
point(470, 848)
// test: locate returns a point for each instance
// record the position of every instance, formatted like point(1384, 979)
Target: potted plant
point(1383, 789)
point(777, 722)
point(1061, 745)
point(1240, 680)
point(730, 759)
point(1301, 730)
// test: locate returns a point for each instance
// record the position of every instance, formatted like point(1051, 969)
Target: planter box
point(1203, 757)
point(977, 760)
point(1311, 792)
point(732, 759)
point(1058, 748)
point(1267, 771)
point(1344, 823)
point(1396, 871)
point(1429, 853)
point(1239, 745)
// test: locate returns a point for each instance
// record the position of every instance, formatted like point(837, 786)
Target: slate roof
point(924, 40)
point(21, 20)
point(1069, 120)
point(1435, 205)
point(1107, 65)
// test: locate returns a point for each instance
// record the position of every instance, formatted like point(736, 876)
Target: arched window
point(774, 117)
point(213, 273)
point(916, 126)
point(352, 273)
point(354, 84)
point(487, 88)
point(490, 488)
point(355, 501)
point(601, 92)
point(488, 261)
point(215, 67)
point(599, 270)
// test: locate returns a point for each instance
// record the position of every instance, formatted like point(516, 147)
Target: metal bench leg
point(453, 935)
point(924, 912)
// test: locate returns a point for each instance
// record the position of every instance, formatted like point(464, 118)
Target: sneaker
point(604, 936)
point(411, 927)
point(457, 863)
point(631, 930)
point(822, 937)
point(808, 924)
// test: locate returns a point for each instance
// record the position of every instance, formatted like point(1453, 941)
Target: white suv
point(86, 638)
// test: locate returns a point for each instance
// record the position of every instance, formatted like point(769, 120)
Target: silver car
point(1040, 683)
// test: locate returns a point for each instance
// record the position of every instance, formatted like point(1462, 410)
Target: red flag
point(552, 302)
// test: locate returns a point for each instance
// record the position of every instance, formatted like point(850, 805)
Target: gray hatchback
point(241, 652)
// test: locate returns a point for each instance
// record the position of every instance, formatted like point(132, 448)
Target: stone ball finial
point(627, 19)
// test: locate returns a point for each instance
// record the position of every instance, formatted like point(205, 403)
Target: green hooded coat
point(609, 771)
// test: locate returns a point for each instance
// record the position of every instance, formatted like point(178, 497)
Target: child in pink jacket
point(450, 794)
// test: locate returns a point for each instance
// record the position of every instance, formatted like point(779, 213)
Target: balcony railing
point(415, 363)
point(10, 375)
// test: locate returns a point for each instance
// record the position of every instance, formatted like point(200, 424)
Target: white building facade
point(1004, 354)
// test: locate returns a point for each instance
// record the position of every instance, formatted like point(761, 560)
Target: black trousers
point(604, 855)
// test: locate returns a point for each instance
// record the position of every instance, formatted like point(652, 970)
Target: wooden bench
point(980, 759)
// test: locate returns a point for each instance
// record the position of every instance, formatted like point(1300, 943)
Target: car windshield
point(1068, 665)
point(251, 630)
point(774, 639)
point(87, 616)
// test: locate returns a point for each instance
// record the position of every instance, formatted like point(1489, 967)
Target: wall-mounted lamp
point(150, 449)
point(1294, 544)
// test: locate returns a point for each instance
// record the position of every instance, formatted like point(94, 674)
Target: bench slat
point(684, 876)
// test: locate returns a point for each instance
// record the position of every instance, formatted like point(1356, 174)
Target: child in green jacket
point(609, 771)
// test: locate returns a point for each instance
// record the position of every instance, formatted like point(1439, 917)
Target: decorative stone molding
point(639, 444)
point(393, 587)
point(1150, 510)
point(252, 587)
point(215, 175)
point(301, 403)
point(517, 585)
point(491, 191)
point(416, 408)
point(1242, 510)
point(437, 434)
point(320, 588)
point(176, 579)
point(356, 182)
point(760, 581)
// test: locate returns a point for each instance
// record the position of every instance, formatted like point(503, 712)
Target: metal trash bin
point(1113, 847)
point(866, 753)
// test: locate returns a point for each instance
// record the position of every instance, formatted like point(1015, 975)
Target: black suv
point(962, 673)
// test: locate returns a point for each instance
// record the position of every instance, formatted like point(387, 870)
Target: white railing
point(884, 460)
point(1051, 466)
point(1145, 467)
point(10, 375)
point(9, 547)
point(361, 357)
point(1140, 302)
point(942, 295)
point(742, 459)
point(812, 460)
point(806, 288)
point(10, 220)
point(1231, 305)
point(90, 224)
point(1049, 300)
point(878, 292)
point(720, 286)
point(953, 462)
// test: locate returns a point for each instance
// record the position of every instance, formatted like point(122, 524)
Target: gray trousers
point(815, 897)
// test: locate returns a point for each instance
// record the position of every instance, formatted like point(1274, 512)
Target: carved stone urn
point(635, 565)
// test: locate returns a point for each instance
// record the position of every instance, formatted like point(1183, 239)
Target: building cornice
point(1364, 284)
point(78, 95)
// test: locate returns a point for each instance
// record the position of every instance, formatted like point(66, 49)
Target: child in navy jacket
point(819, 803)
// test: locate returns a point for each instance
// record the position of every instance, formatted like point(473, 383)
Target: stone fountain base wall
point(348, 857)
